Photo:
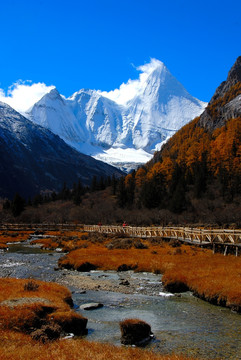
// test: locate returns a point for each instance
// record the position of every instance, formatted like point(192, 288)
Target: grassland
point(12, 237)
point(213, 277)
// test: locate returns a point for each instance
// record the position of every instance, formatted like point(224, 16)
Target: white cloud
point(129, 90)
point(22, 95)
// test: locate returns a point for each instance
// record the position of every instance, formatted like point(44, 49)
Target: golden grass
point(13, 236)
point(11, 288)
point(66, 240)
point(213, 277)
point(17, 346)
point(46, 243)
point(3, 246)
point(22, 309)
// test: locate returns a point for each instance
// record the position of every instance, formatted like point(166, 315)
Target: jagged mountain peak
point(234, 74)
point(225, 103)
point(52, 95)
point(82, 92)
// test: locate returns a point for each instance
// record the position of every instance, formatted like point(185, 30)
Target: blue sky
point(98, 44)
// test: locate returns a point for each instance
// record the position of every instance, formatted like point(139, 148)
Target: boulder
point(91, 306)
point(124, 282)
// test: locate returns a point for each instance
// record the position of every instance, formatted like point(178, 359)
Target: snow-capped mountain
point(125, 126)
point(35, 159)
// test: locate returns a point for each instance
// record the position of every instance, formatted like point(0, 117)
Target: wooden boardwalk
point(185, 234)
point(216, 238)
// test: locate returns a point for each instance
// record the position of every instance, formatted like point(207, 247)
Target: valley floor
point(212, 277)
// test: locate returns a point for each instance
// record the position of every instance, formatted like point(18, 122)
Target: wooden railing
point(187, 234)
point(192, 235)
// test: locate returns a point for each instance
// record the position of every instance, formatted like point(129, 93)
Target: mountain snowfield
point(125, 126)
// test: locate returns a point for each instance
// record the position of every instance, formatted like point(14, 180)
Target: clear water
point(180, 324)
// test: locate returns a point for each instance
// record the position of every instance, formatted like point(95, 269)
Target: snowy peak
point(162, 108)
point(53, 113)
point(140, 115)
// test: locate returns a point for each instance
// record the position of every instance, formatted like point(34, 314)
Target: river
point(182, 324)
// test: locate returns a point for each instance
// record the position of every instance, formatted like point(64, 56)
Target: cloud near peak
point(23, 94)
point(129, 90)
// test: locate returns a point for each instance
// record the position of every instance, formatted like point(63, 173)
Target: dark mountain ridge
point(34, 159)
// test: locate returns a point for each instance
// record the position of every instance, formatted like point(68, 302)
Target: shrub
point(31, 286)
point(135, 332)
point(47, 333)
point(70, 322)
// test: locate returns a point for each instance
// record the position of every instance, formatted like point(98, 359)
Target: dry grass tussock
point(27, 305)
point(12, 237)
point(17, 346)
point(66, 240)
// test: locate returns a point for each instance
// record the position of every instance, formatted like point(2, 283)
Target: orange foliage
point(226, 147)
point(140, 177)
point(154, 171)
point(188, 145)
point(166, 168)
point(128, 180)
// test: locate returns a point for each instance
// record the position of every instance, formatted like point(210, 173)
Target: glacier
point(123, 127)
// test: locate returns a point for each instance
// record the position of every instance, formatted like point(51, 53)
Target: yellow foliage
point(140, 177)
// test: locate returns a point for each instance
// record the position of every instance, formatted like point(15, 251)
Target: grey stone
point(91, 306)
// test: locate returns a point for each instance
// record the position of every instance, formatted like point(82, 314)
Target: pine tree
point(93, 186)
point(77, 193)
point(6, 205)
point(121, 193)
point(114, 182)
point(18, 205)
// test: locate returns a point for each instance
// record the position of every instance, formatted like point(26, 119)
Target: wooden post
point(226, 250)
point(213, 248)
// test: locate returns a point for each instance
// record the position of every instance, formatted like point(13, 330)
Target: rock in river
point(91, 306)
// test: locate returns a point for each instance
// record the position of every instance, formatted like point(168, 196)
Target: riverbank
point(212, 277)
point(35, 314)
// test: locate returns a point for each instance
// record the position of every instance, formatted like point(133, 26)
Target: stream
point(181, 324)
